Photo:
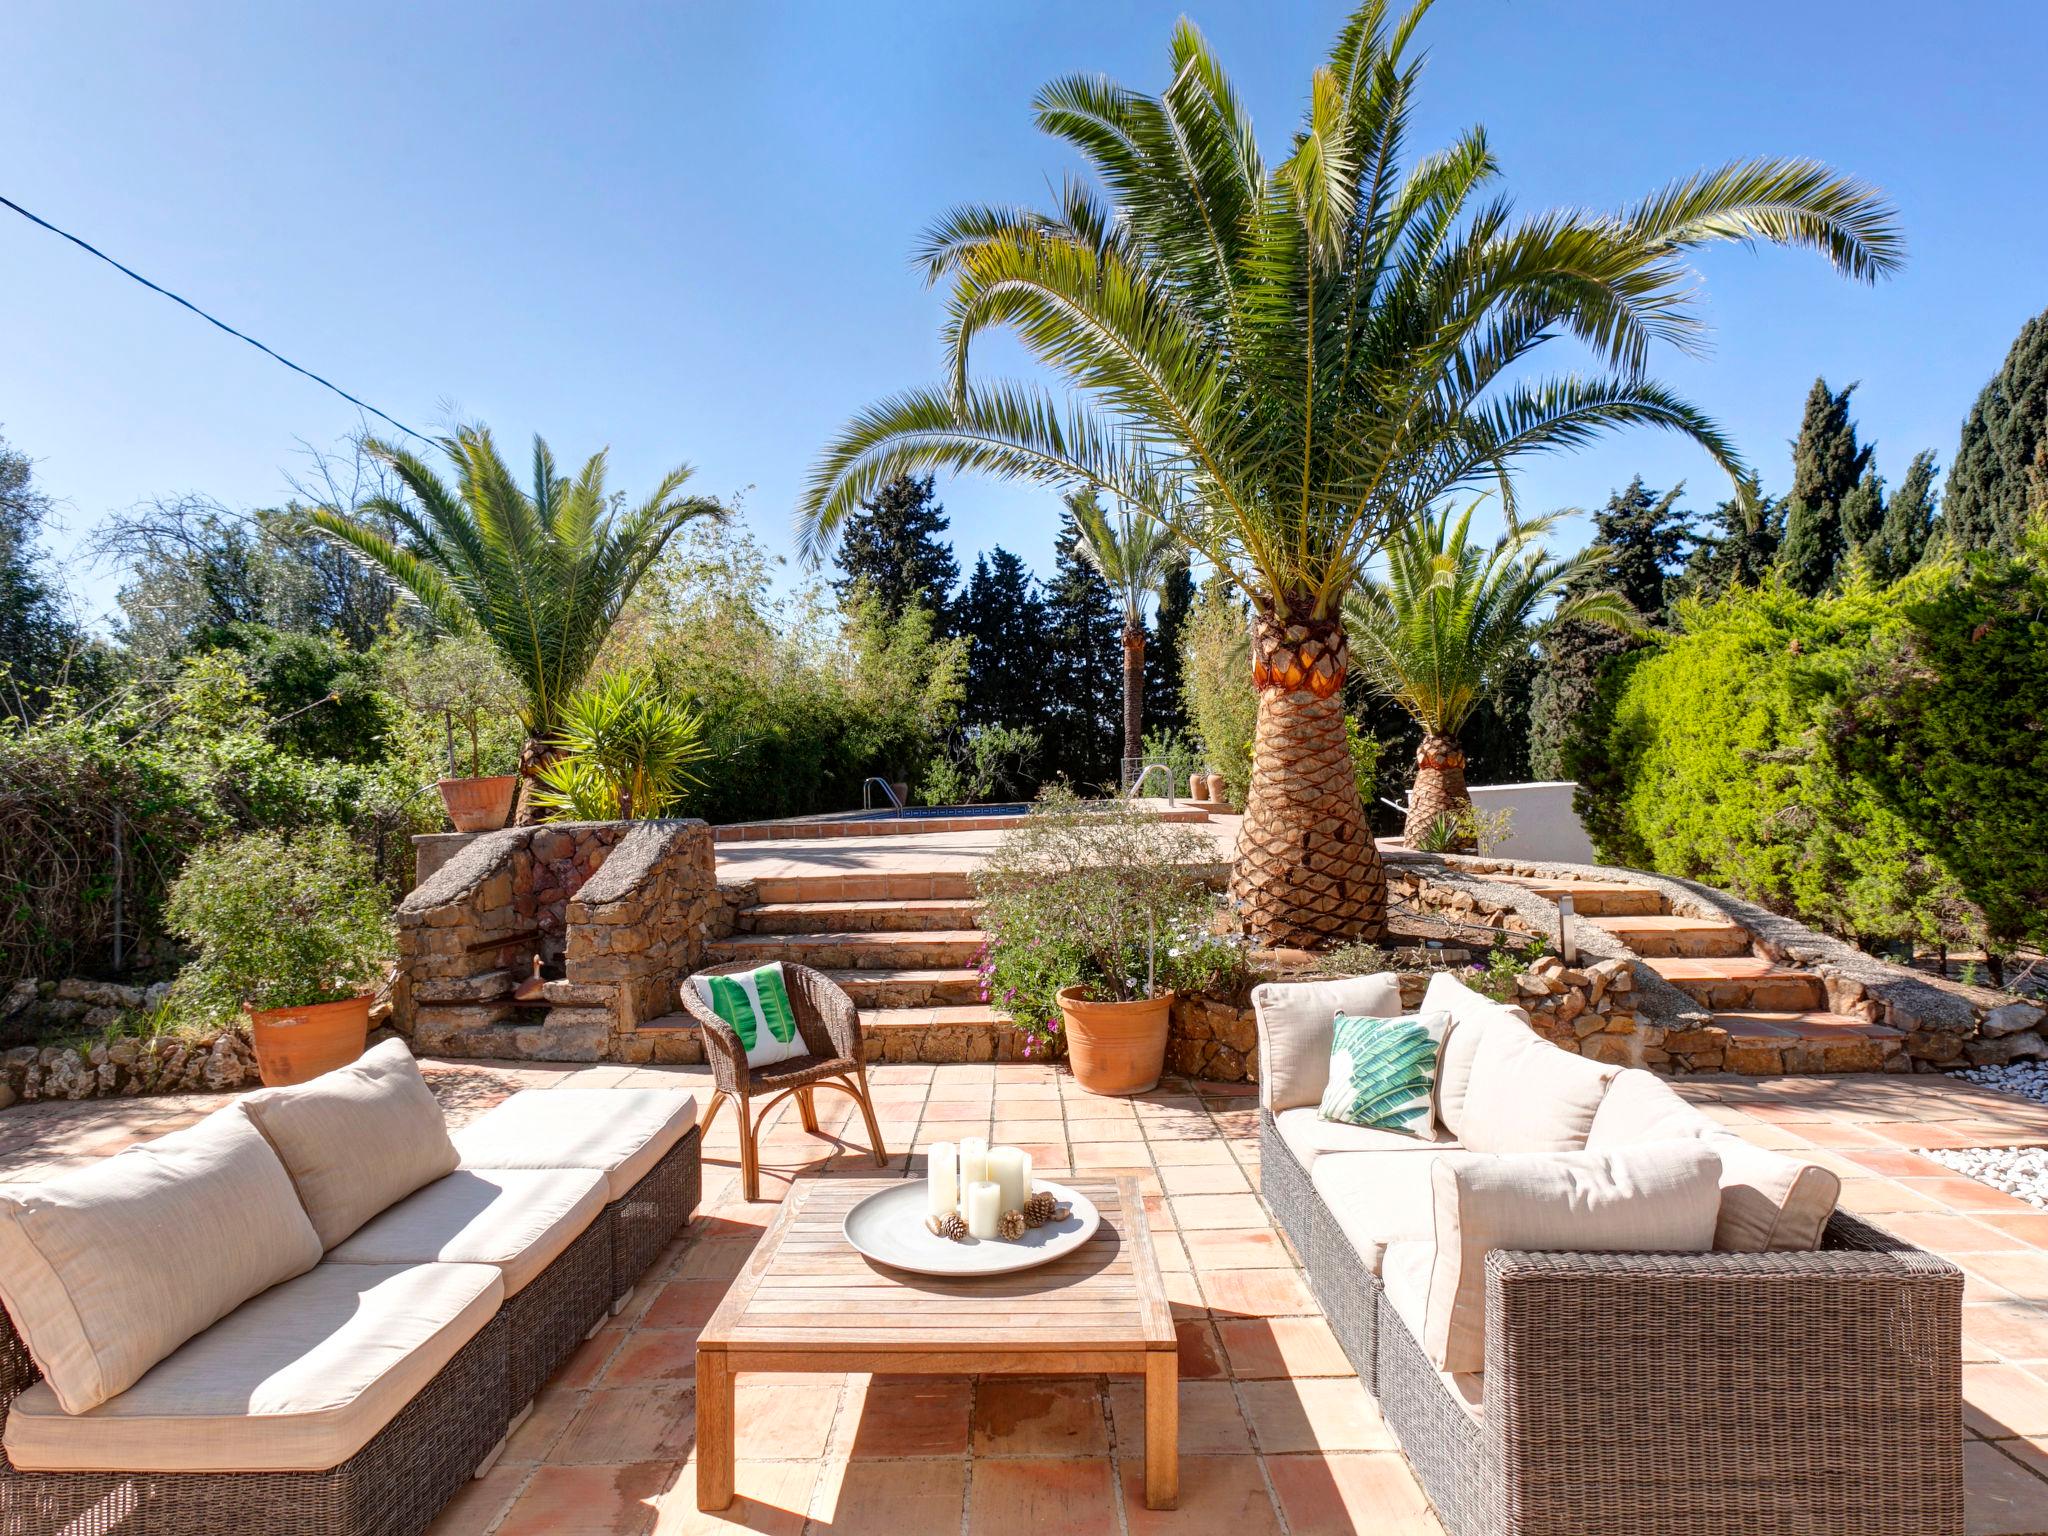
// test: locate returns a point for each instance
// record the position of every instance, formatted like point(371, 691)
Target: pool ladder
point(867, 799)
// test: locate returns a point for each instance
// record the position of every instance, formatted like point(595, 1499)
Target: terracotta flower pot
point(1198, 787)
point(1115, 1048)
point(294, 1044)
point(478, 805)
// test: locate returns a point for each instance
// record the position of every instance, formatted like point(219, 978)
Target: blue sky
point(683, 231)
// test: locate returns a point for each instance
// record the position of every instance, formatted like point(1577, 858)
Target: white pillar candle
point(1006, 1166)
point(942, 1182)
point(984, 1209)
point(973, 1160)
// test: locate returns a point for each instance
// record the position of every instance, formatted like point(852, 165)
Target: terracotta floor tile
point(1219, 1496)
point(870, 1498)
point(1190, 1154)
point(1256, 1293)
point(1269, 1347)
point(1946, 1233)
point(2023, 1272)
point(628, 1424)
point(653, 1354)
point(1204, 1179)
point(2017, 1330)
point(1210, 1213)
point(897, 1416)
point(1895, 1163)
point(1326, 1414)
point(1028, 1498)
point(1201, 1356)
point(476, 1508)
point(2000, 1496)
point(1171, 1252)
point(783, 1418)
point(1033, 1416)
point(1342, 1495)
point(2001, 1401)
point(1183, 1293)
point(770, 1497)
point(589, 1501)
point(2030, 1228)
point(536, 1435)
point(1013, 1131)
point(685, 1303)
point(1211, 1424)
point(1259, 1248)
point(1965, 1194)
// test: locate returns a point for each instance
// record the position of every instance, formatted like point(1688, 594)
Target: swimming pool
point(939, 812)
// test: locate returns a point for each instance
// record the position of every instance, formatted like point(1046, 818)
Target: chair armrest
point(832, 1009)
point(722, 1047)
point(1821, 1389)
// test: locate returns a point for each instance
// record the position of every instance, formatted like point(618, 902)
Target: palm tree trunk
point(1439, 788)
point(1307, 872)
point(534, 754)
point(1134, 693)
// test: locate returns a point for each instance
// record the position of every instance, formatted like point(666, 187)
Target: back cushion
point(1527, 1095)
point(357, 1139)
point(1472, 1016)
point(1770, 1203)
point(1297, 1022)
point(107, 1270)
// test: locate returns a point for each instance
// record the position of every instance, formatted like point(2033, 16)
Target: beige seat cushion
point(621, 1132)
point(1661, 1197)
point(516, 1219)
point(1472, 1017)
point(1770, 1202)
point(106, 1270)
point(1404, 1273)
point(297, 1380)
point(1527, 1095)
point(1309, 1136)
point(357, 1139)
point(1378, 1198)
point(1295, 1021)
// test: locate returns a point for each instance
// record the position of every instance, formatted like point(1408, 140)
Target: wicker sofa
point(315, 1311)
point(1810, 1389)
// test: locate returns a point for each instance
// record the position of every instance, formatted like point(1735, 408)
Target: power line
point(211, 320)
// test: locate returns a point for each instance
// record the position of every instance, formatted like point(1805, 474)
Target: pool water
point(940, 812)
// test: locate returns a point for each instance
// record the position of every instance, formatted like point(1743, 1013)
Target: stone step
point(1666, 934)
point(911, 988)
point(948, 948)
point(1742, 983)
point(1592, 898)
point(927, 915)
point(904, 885)
point(965, 1033)
point(1808, 1040)
point(1808, 1024)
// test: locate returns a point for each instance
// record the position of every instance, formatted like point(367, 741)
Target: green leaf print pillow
point(756, 1006)
point(1383, 1072)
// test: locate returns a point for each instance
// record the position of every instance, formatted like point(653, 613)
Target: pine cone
point(952, 1228)
point(1038, 1210)
point(1012, 1225)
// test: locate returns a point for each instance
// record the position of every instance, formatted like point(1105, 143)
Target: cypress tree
point(1739, 550)
point(1908, 520)
point(896, 548)
point(1827, 463)
point(39, 642)
point(1080, 672)
point(1164, 708)
point(1003, 612)
point(1988, 493)
point(1863, 516)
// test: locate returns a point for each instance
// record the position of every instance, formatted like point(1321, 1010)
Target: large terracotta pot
point(294, 1044)
point(1115, 1048)
point(479, 805)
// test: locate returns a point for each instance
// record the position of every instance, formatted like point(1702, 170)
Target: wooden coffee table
point(807, 1301)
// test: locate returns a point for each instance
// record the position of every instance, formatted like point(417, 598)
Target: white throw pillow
point(1473, 1017)
point(1383, 1072)
point(1662, 1197)
point(1295, 1022)
point(756, 1006)
point(1527, 1095)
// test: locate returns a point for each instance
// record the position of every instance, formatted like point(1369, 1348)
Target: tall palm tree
point(1436, 633)
point(1281, 362)
point(542, 574)
point(1135, 555)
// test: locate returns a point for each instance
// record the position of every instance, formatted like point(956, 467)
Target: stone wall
point(614, 911)
point(221, 1062)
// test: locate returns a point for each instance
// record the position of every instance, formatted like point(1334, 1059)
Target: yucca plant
point(1134, 554)
point(1281, 362)
point(623, 751)
point(1437, 631)
point(542, 573)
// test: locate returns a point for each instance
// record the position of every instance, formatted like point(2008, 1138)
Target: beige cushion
point(1662, 1197)
point(356, 1139)
point(1527, 1095)
point(1770, 1202)
point(1377, 1198)
point(1472, 1016)
point(516, 1219)
point(1309, 1136)
point(1295, 1024)
point(297, 1380)
point(1404, 1275)
point(108, 1269)
point(621, 1132)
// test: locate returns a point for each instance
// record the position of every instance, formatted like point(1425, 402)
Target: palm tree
point(541, 574)
point(1435, 634)
point(1135, 555)
point(1281, 363)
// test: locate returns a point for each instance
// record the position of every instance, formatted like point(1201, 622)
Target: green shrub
point(627, 753)
point(988, 763)
point(279, 922)
point(1216, 682)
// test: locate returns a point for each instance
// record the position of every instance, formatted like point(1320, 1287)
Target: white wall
point(1545, 825)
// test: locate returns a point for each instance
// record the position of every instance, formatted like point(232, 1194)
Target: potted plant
point(461, 679)
point(1088, 908)
point(295, 933)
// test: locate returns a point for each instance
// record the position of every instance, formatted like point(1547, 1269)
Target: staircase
point(904, 947)
point(1776, 1016)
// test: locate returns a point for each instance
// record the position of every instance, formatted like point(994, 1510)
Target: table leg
point(714, 1429)
point(1162, 1427)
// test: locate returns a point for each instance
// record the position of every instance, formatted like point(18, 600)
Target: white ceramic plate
point(889, 1228)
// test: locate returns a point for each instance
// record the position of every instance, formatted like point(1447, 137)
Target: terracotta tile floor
point(1277, 1434)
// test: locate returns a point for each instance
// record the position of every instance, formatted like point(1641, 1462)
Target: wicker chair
point(833, 1058)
